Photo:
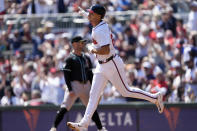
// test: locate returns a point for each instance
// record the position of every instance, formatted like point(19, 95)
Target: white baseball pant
point(114, 72)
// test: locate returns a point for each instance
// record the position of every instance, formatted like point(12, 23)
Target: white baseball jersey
point(101, 36)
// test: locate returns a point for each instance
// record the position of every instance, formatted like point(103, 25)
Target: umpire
point(78, 75)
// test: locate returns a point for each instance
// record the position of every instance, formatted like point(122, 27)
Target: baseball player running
point(110, 67)
point(78, 75)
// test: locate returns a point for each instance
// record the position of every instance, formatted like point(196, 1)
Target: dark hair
point(193, 52)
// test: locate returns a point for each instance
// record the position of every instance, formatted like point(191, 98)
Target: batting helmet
point(98, 9)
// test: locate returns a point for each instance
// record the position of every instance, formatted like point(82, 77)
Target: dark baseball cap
point(77, 39)
point(98, 9)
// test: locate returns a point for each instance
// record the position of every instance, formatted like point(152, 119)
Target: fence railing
point(68, 20)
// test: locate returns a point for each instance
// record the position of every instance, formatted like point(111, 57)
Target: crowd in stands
point(60, 6)
point(160, 52)
point(63, 6)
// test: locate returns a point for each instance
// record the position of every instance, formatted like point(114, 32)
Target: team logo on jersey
point(94, 41)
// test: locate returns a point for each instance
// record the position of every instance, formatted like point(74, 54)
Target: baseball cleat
point(159, 103)
point(103, 129)
point(53, 129)
point(75, 126)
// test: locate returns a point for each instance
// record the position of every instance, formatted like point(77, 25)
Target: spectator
point(169, 39)
point(157, 51)
point(148, 73)
point(63, 42)
point(62, 88)
point(175, 75)
point(29, 73)
point(42, 7)
point(123, 5)
point(115, 26)
point(18, 60)
point(62, 6)
point(190, 96)
point(15, 41)
point(190, 78)
point(50, 83)
point(35, 98)
point(48, 26)
point(132, 41)
point(22, 8)
point(41, 71)
point(8, 7)
point(148, 69)
point(180, 29)
point(25, 33)
point(2, 7)
point(9, 99)
point(140, 73)
point(13, 7)
point(61, 55)
point(169, 21)
point(2, 79)
point(159, 84)
point(142, 48)
point(25, 97)
point(192, 18)
point(48, 46)
point(18, 83)
point(132, 78)
point(38, 41)
point(86, 32)
point(134, 25)
point(4, 42)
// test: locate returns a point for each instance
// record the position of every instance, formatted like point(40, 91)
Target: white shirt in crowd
point(191, 74)
point(49, 89)
point(60, 90)
point(192, 21)
point(18, 88)
point(5, 101)
point(2, 6)
point(29, 77)
point(174, 96)
point(42, 8)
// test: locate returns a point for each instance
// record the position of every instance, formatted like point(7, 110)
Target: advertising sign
point(114, 119)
